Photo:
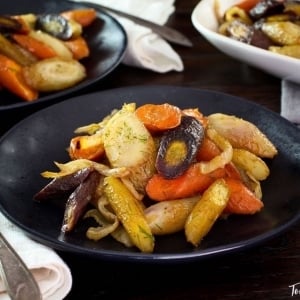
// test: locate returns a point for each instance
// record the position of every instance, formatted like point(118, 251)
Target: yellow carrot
point(130, 213)
point(206, 211)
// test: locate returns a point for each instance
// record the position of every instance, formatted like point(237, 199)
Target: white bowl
point(205, 20)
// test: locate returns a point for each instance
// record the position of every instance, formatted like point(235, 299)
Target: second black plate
point(105, 36)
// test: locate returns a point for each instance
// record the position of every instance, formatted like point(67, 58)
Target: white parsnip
point(169, 216)
point(56, 44)
point(54, 74)
point(242, 134)
point(129, 144)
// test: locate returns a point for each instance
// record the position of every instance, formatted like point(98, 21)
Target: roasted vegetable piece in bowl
point(133, 199)
point(271, 25)
point(259, 33)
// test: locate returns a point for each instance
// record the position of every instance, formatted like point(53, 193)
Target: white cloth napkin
point(146, 49)
point(50, 271)
point(290, 101)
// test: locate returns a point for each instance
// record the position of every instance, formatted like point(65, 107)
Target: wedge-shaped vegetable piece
point(242, 134)
point(125, 134)
point(10, 50)
point(11, 78)
point(62, 186)
point(129, 213)
point(78, 47)
point(78, 201)
point(54, 74)
point(84, 16)
point(282, 33)
point(58, 46)
point(206, 212)
point(87, 146)
point(169, 216)
point(190, 183)
point(34, 46)
point(129, 144)
point(241, 201)
point(251, 163)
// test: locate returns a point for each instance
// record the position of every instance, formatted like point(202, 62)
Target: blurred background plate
point(205, 21)
point(35, 143)
point(105, 36)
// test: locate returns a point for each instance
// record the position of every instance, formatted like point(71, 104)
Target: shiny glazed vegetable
point(271, 25)
point(132, 201)
point(178, 147)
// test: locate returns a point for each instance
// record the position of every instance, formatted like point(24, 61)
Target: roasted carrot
point(36, 47)
point(188, 184)
point(208, 150)
point(159, 117)
point(241, 200)
point(84, 16)
point(11, 78)
point(87, 146)
point(247, 4)
point(78, 47)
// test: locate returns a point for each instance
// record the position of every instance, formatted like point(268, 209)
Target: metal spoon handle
point(18, 280)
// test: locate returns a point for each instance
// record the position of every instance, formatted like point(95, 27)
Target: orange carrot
point(208, 150)
point(84, 16)
point(241, 200)
point(36, 47)
point(78, 47)
point(188, 184)
point(159, 117)
point(88, 146)
point(11, 78)
point(247, 4)
point(232, 171)
point(194, 112)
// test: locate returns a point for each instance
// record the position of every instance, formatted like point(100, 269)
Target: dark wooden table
point(268, 271)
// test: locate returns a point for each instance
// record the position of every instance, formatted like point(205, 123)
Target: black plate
point(31, 147)
point(105, 36)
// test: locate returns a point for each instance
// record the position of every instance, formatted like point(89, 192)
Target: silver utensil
point(18, 280)
point(166, 32)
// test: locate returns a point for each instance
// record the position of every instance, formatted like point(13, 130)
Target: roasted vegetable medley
point(273, 25)
point(157, 169)
point(41, 52)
